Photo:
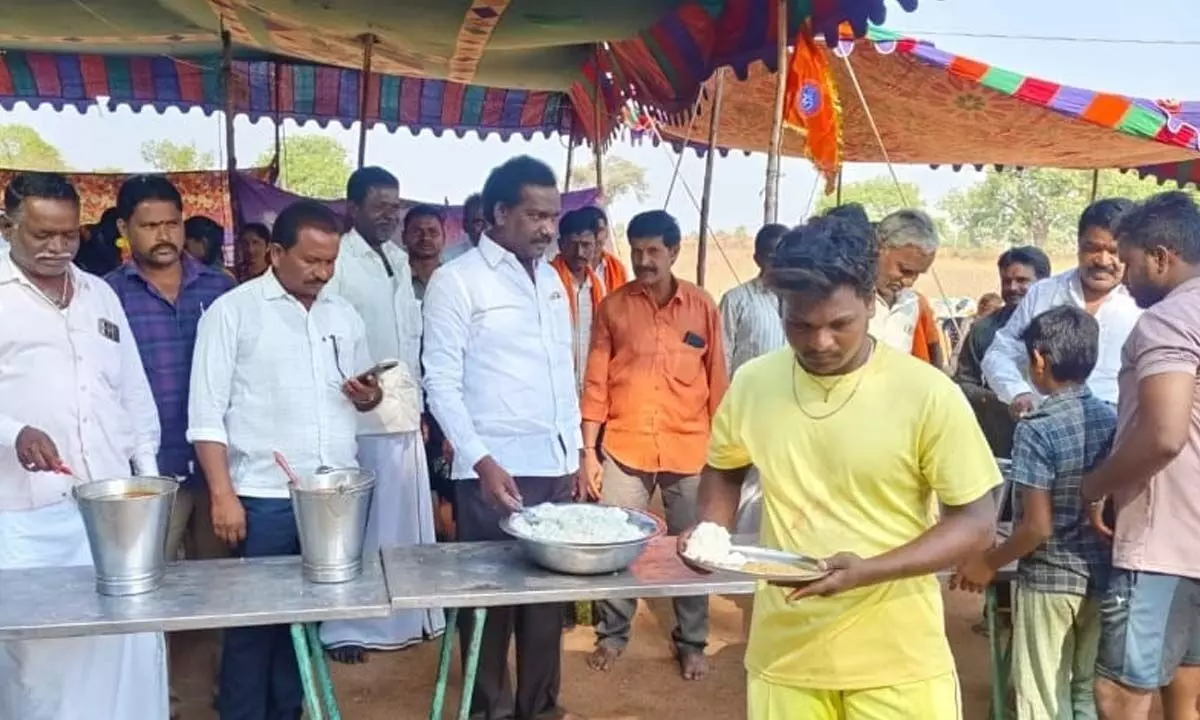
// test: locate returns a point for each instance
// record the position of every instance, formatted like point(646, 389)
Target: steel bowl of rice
point(582, 539)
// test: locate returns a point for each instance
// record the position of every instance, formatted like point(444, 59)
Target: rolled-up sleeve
point(10, 428)
point(1004, 363)
point(447, 315)
point(213, 366)
point(138, 399)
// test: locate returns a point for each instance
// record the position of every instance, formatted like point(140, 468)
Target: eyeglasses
point(337, 356)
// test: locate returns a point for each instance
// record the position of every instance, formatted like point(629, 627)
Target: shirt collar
point(494, 254)
point(639, 288)
point(1077, 392)
point(10, 273)
point(1075, 288)
point(272, 289)
point(192, 270)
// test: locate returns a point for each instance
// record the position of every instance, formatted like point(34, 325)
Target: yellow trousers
point(933, 699)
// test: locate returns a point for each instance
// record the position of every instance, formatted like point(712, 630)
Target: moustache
point(644, 270)
point(164, 246)
point(54, 257)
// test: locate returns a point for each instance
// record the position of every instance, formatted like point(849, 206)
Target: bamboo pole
point(239, 253)
point(570, 162)
point(597, 151)
point(363, 96)
point(771, 194)
point(838, 199)
point(1095, 184)
point(714, 120)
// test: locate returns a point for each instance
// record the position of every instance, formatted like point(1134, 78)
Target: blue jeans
point(259, 676)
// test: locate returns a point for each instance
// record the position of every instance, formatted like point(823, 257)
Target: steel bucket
point(331, 511)
point(126, 521)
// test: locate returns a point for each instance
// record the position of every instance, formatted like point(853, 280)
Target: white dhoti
point(401, 515)
point(112, 677)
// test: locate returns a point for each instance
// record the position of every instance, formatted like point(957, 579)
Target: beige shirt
point(1158, 526)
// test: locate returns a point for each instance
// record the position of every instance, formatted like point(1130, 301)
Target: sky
point(433, 168)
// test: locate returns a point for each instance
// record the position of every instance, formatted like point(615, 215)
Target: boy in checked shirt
point(1063, 562)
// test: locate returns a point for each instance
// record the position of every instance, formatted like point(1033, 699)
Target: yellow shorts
point(933, 699)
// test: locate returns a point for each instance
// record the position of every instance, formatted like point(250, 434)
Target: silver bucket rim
point(106, 489)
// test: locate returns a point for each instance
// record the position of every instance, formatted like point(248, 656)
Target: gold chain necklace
point(63, 301)
point(797, 369)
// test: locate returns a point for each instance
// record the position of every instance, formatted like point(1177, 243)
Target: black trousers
point(538, 628)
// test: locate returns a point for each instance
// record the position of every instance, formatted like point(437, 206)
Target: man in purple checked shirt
point(164, 293)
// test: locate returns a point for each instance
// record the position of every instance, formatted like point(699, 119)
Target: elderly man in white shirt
point(473, 227)
point(280, 365)
point(374, 275)
point(498, 372)
point(1095, 286)
point(74, 403)
point(908, 245)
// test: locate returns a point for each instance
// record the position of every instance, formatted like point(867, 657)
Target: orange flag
point(810, 105)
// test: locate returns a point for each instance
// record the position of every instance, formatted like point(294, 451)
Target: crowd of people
point(813, 404)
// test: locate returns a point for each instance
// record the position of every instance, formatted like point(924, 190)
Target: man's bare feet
point(693, 665)
point(349, 654)
point(603, 658)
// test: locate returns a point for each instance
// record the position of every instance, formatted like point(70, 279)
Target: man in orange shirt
point(655, 376)
point(582, 273)
point(607, 265)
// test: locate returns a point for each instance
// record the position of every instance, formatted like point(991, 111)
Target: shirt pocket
point(687, 363)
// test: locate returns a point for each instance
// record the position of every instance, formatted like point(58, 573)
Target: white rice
point(583, 524)
point(711, 544)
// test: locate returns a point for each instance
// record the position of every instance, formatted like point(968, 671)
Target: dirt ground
point(644, 685)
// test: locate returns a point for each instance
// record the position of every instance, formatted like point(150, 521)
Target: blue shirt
point(166, 336)
point(1067, 436)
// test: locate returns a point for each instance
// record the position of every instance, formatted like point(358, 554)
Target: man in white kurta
point(373, 274)
point(73, 395)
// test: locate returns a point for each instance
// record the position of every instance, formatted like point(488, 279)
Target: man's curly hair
point(823, 255)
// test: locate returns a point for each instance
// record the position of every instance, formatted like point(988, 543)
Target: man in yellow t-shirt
point(854, 442)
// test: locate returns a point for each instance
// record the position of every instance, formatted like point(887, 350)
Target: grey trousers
point(632, 488)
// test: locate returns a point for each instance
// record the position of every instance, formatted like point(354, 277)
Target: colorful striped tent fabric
point(266, 89)
point(655, 52)
point(934, 107)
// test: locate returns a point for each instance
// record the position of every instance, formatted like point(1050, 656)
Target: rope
point(862, 98)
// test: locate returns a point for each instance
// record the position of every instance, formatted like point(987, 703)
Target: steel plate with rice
point(710, 548)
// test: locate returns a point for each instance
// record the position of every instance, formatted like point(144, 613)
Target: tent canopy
point(657, 52)
point(933, 107)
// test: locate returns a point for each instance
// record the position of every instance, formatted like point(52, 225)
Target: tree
point(169, 156)
point(315, 166)
point(621, 177)
point(878, 195)
point(22, 148)
point(1034, 207)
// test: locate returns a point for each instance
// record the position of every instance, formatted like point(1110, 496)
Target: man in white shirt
point(473, 227)
point(908, 245)
point(74, 403)
point(498, 372)
point(373, 274)
point(5, 229)
point(1095, 286)
point(752, 326)
point(279, 366)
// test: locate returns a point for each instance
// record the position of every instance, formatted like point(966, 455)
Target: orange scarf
point(568, 280)
point(925, 333)
point(614, 272)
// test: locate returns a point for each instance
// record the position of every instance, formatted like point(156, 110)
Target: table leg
point(326, 683)
point(443, 673)
point(304, 661)
point(998, 676)
point(468, 690)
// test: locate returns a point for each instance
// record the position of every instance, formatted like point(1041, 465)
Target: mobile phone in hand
point(377, 370)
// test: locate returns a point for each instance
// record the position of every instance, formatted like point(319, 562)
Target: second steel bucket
point(331, 511)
